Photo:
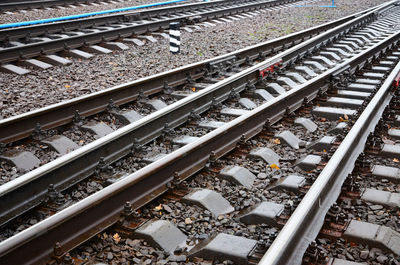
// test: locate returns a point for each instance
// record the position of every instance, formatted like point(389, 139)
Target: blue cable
point(50, 20)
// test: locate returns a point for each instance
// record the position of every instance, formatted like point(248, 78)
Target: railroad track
point(32, 4)
point(365, 215)
point(362, 225)
point(148, 96)
point(193, 136)
point(38, 45)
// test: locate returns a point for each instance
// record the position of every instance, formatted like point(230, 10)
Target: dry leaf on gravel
point(116, 238)
point(275, 166)
point(158, 208)
point(277, 141)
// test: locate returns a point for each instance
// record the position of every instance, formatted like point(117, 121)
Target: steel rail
point(28, 190)
point(307, 220)
point(21, 126)
point(123, 30)
point(96, 21)
point(86, 218)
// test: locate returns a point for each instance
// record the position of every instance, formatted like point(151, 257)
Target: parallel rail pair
point(84, 219)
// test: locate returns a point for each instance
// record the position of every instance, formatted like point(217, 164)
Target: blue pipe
point(50, 20)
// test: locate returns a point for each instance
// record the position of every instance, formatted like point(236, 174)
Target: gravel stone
point(382, 259)
point(364, 254)
point(167, 208)
point(177, 258)
point(376, 207)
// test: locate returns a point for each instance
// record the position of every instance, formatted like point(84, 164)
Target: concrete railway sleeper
point(252, 131)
